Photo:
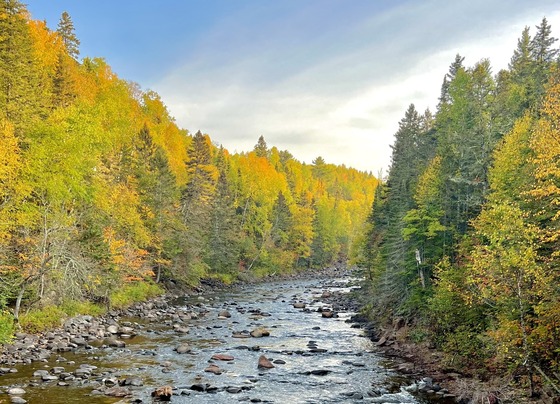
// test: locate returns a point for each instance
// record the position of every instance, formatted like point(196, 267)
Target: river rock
point(299, 305)
point(241, 334)
point(113, 329)
point(234, 390)
point(40, 373)
point(264, 363)
point(183, 348)
point(16, 391)
point(224, 314)
point(181, 328)
point(214, 369)
point(117, 392)
point(222, 357)
point(327, 313)
point(17, 400)
point(260, 332)
point(115, 343)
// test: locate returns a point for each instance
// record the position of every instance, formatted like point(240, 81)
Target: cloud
point(339, 92)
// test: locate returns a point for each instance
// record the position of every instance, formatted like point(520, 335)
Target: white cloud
point(341, 94)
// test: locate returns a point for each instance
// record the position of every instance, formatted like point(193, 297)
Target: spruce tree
point(19, 89)
point(66, 31)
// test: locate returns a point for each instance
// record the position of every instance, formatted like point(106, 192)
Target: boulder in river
point(299, 305)
point(264, 363)
point(260, 332)
point(16, 391)
point(118, 392)
point(224, 314)
point(214, 369)
point(222, 357)
point(183, 348)
point(163, 393)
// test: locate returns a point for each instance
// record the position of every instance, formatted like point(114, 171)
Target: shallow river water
point(321, 360)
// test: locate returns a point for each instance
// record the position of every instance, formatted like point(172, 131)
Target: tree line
point(101, 191)
point(463, 237)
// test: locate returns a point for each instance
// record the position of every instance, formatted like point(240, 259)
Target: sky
point(329, 78)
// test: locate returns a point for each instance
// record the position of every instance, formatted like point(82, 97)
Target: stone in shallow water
point(16, 391)
point(214, 369)
point(222, 357)
point(264, 363)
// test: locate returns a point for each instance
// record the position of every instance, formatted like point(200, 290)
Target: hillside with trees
point(462, 240)
point(103, 197)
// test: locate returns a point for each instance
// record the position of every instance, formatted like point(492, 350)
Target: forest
point(462, 243)
point(103, 198)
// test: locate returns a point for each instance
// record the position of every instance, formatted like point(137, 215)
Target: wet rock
point(199, 387)
point(132, 381)
point(222, 357)
point(113, 329)
point(17, 400)
point(224, 314)
point(49, 378)
point(279, 362)
point(115, 343)
point(264, 363)
point(15, 391)
point(117, 392)
point(317, 372)
point(214, 369)
point(183, 348)
point(40, 373)
point(234, 390)
point(327, 313)
point(241, 334)
point(260, 332)
point(110, 382)
point(299, 305)
point(163, 393)
point(182, 329)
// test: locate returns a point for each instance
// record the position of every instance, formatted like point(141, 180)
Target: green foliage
point(133, 293)
point(43, 319)
point(6, 327)
point(463, 237)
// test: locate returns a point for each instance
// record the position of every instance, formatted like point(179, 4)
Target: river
point(316, 359)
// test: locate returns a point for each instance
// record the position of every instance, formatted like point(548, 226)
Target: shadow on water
point(317, 360)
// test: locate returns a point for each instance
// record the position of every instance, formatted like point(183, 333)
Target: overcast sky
point(328, 78)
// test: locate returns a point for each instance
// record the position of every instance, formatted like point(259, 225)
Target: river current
point(316, 359)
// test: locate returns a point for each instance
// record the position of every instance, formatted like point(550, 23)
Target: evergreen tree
point(66, 31)
point(19, 87)
point(261, 149)
point(224, 239)
point(197, 199)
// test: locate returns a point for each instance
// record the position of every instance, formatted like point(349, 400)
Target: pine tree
point(19, 89)
point(66, 31)
point(261, 149)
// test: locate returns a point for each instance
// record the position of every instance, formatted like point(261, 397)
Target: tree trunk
point(18, 302)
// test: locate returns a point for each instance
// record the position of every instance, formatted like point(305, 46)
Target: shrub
point(41, 320)
point(134, 292)
point(6, 327)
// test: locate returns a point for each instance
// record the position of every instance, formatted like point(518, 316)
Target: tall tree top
point(261, 149)
point(522, 54)
point(541, 45)
point(66, 31)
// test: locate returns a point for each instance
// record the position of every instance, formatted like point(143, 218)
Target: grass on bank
point(49, 317)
